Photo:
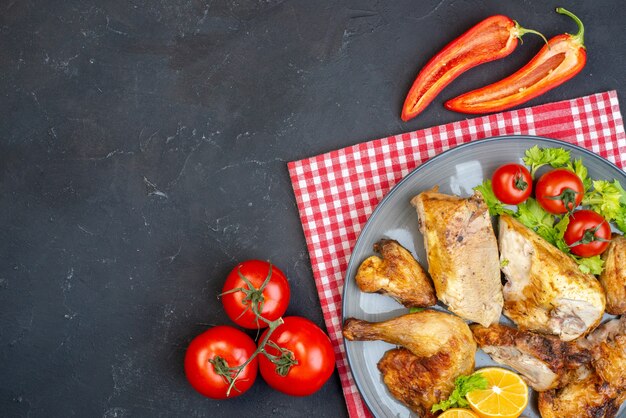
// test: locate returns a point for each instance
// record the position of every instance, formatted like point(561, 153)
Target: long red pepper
point(561, 59)
point(493, 38)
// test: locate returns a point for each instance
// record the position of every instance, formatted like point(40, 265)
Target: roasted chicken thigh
point(588, 396)
point(462, 254)
point(545, 290)
point(438, 347)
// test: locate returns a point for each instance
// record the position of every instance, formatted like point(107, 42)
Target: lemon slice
point(458, 413)
point(506, 395)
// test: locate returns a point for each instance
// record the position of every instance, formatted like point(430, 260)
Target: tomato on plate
point(271, 301)
point(512, 183)
point(312, 350)
point(559, 191)
point(587, 233)
point(220, 346)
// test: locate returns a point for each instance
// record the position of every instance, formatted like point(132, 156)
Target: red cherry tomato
point(273, 299)
point(559, 191)
point(590, 230)
point(231, 345)
point(312, 350)
point(512, 183)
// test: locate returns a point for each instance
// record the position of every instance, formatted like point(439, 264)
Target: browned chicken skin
point(545, 290)
point(438, 347)
point(608, 345)
point(396, 274)
point(544, 361)
point(418, 382)
point(462, 254)
point(586, 397)
point(613, 278)
point(597, 391)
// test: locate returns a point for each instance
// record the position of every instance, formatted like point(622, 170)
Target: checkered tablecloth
point(337, 191)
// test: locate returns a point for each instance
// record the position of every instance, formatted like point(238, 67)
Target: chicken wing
point(462, 254)
point(613, 278)
point(438, 347)
point(544, 361)
point(586, 397)
point(545, 289)
point(396, 274)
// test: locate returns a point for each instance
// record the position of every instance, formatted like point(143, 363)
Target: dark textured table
point(143, 153)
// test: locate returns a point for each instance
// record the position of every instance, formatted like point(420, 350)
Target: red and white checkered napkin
point(337, 191)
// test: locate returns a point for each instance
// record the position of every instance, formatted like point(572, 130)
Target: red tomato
point(231, 345)
point(312, 350)
point(590, 230)
point(559, 191)
point(273, 299)
point(512, 183)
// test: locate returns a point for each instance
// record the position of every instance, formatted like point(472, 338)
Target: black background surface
point(143, 154)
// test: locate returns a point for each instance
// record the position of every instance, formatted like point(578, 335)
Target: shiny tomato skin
point(276, 294)
point(552, 184)
point(313, 351)
point(512, 183)
point(581, 221)
point(232, 345)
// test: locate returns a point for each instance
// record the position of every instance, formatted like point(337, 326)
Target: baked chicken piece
point(596, 392)
point(544, 361)
point(613, 278)
point(438, 347)
point(608, 345)
point(416, 381)
point(462, 254)
point(545, 289)
point(397, 274)
point(586, 397)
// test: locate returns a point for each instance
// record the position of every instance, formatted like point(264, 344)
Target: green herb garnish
point(536, 157)
point(593, 265)
point(496, 207)
point(609, 200)
point(581, 171)
point(462, 386)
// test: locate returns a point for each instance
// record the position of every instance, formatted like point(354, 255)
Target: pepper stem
point(580, 36)
point(521, 31)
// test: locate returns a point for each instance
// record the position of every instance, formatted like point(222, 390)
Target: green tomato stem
point(261, 348)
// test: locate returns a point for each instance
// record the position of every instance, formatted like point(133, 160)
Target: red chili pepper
point(561, 59)
point(493, 38)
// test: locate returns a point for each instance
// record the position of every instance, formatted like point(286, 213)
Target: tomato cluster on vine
point(293, 355)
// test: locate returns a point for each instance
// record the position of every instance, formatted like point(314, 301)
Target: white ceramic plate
point(456, 171)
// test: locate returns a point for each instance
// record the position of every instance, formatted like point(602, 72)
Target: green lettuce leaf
point(495, 206)
point(593, 265)
point(536, 157)
point(606, 198)
point(620, 220)
point(531, 214)
point(581, 171)
point(462, 386)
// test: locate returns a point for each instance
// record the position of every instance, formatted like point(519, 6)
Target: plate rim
point(406, 178)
